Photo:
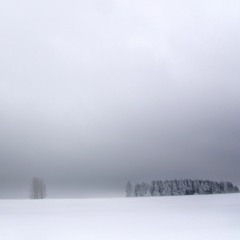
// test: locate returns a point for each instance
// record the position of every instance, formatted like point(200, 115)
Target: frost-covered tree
point(145, 190)
point(216, 188)
point(137, 190)
point(129, 190)
point(38, 189)
point(166, 189)
point(174, 188)
point(160, 187)
point(190, 188)
point(205, 188)
point(181, 187)
point(155, 191)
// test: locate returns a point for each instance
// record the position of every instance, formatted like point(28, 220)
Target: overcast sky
point(95, 93)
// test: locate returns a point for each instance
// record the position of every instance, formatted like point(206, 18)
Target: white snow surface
point(214, 217)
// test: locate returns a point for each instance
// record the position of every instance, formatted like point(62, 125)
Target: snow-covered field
point(214, 217)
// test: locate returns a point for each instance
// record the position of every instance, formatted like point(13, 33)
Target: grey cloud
point(93, 94)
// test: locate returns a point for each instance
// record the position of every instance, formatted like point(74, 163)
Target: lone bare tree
point(38, 189)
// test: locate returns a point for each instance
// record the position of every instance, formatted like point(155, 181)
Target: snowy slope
point(214, 217)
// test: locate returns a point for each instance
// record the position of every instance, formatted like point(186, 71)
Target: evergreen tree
point(137, 190)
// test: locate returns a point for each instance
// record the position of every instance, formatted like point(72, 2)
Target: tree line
point(179, 187)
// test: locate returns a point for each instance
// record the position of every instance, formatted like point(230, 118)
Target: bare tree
point(38, 189)
point(129, 190)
